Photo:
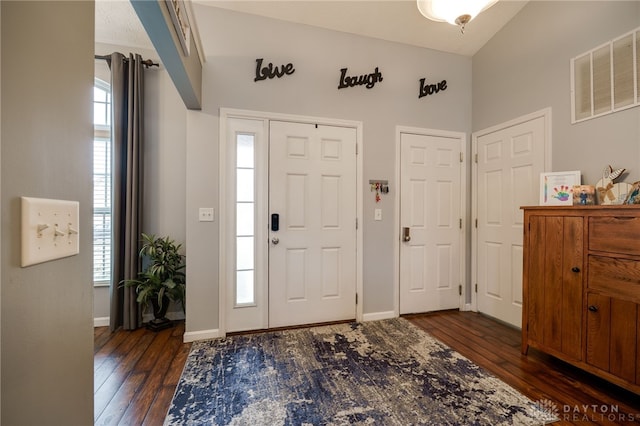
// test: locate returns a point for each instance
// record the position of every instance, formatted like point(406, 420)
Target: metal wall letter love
point(431, 89)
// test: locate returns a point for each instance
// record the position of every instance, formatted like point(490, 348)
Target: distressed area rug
point(381, 372)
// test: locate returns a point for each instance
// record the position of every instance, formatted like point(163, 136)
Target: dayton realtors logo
point(548, 411)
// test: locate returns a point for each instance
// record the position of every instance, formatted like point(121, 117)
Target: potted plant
point(162, 278)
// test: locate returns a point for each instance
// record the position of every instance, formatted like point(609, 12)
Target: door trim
point(543, 113)
point(463, 209)
point(227, 113)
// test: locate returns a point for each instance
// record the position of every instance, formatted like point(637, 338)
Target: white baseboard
point(466, 307)
point(101, 322)
point(375, 316)
point(194, 336)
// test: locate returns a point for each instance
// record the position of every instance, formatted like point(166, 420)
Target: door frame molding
point(227, 113)
point(463, 209)
point(544, 113)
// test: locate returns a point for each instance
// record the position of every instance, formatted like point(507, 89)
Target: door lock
point(275, 240)
point(275, 222)
point(406, 237)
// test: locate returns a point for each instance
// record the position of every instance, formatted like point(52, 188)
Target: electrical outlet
point(377, 214)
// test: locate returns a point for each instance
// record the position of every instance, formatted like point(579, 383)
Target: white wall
point(233, 41)
point(525, 68)
point(47, 334)
point(165, 158)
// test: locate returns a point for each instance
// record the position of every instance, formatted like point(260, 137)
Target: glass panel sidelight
point(245, 220)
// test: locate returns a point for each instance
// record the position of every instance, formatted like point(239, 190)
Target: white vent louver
point(607, 78)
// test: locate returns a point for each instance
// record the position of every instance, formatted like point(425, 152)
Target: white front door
point(312, 247)
point(430, 222)
point(509, 162)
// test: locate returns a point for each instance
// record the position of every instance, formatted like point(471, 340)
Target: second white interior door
point(510, 160)
point(312, 247)
point(430, 218)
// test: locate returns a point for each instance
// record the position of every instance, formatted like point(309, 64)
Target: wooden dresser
point(581, 288)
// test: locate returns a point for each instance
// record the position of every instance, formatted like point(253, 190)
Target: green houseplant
point(162, 278)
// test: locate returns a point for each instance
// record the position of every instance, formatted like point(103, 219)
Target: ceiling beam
point(185, 69)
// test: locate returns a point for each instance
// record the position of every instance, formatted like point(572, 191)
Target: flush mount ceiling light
point(455, 12)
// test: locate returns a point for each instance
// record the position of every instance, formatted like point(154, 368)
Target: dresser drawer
point(615, 234)
point(619, 278)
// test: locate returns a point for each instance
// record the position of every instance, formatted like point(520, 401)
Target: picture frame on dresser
point(556, 188)
point(633, 197)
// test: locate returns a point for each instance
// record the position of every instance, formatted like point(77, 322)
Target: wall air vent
point(607, 78)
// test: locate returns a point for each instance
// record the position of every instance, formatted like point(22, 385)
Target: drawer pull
point(593, 308)
point(575, 269)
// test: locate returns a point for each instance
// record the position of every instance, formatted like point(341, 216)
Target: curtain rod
point(147, 63)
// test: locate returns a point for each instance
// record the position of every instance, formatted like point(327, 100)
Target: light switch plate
point(50, 230)
point(377, 214)
point(206, 214)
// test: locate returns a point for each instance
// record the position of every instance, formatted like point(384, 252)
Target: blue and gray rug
point(375, 373)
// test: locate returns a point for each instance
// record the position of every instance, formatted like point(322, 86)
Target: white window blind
point(102, 185)
point(606, 79)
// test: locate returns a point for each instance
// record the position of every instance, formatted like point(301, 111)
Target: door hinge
point(460, 223)
point(476, 222)
point(461, 157)
point(460, 290)
point(356, 223)
point(476, 158)
point(356, 298)
point(356, 149)
point(476, 287)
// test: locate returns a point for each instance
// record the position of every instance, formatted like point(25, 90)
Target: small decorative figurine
point(610, 192)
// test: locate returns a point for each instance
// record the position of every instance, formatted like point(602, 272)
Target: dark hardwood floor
point(136, 372)
point(579, 397)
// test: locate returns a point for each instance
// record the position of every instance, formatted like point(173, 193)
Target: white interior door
point(312, 255)
point(430, 211)
point(509, 163)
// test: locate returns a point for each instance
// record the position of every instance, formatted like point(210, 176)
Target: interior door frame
point(543, 113)
point(224, 116)
point(463, 209)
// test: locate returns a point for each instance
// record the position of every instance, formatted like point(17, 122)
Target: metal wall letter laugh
point(368, 80)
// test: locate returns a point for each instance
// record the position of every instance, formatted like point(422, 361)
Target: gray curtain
point(127, 138)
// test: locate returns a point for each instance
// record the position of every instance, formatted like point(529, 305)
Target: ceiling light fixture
point(455, 12)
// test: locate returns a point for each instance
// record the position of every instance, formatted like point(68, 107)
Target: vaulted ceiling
point(392, 20)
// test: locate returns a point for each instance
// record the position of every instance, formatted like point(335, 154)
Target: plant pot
point(158, 311)
point(159, 321)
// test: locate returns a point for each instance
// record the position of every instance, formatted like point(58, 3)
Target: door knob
point(275, 240)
